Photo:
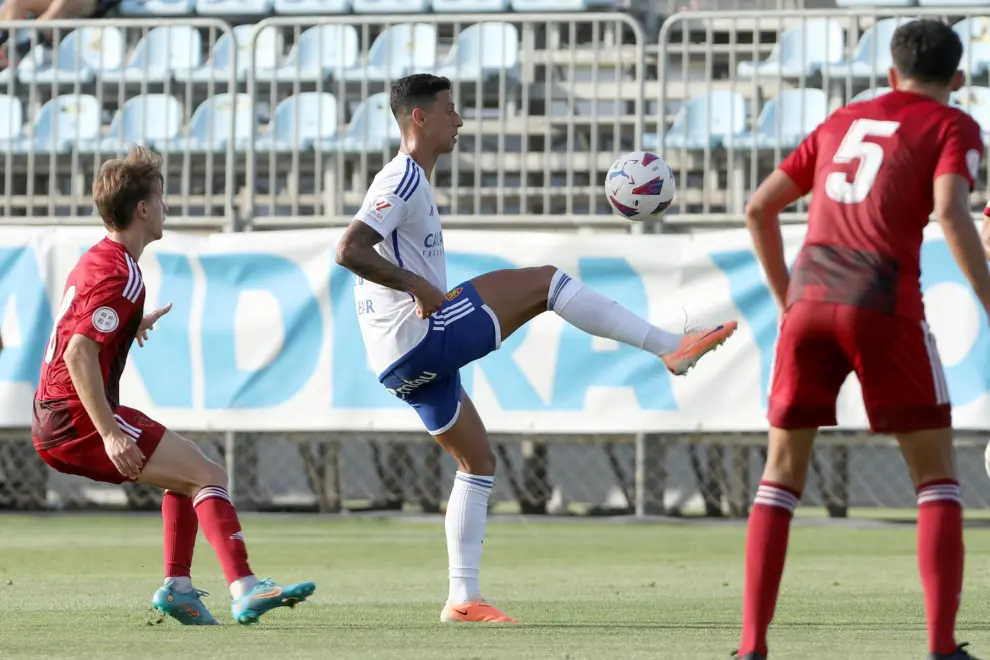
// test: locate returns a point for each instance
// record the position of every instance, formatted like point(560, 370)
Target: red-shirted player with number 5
point(877, 170)
point(79, 426)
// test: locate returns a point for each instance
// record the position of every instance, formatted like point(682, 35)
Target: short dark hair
point(415, 91)
point(926, 50)
point(123, 182)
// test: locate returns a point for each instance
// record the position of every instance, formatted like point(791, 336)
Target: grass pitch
point(80, 587)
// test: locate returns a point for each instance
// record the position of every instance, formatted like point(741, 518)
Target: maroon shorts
point(895, 359)
point(83, 454)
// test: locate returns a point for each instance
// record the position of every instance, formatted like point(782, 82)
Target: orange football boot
point(475, 610)
point(695, 345)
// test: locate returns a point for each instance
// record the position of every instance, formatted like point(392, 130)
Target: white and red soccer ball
point(640, 186)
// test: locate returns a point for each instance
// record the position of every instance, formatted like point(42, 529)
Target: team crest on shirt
point(105, 319)
point(454, 293)
point(380, 209)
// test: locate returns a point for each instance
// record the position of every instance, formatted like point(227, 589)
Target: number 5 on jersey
point(870, 156)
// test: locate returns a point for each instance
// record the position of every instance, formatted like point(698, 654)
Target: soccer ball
point(640, 186)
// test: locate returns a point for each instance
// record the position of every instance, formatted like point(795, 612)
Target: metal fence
point(542, 123)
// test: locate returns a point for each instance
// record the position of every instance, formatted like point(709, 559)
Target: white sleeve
point(387, 202)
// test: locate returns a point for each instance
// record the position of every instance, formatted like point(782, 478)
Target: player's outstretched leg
point(178, 465)
point(931, 461)
point(467, 513)
point(178, 597)
point(767, 531)
point(516, 296)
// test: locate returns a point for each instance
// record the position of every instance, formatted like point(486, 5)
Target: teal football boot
point(183, 606)
point(266, 596)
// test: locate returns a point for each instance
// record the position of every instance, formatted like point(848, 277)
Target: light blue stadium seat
point(150, 120)
point(210, 126)
point(975, 101)
point(391, 6)
point(872, 56)
point(975, 36)
point(373, 129)
point(953, 3)
point(11, 122)
point(83, 55)
point(704, 121)
point(560, 5)
point(397, 51)
point(470, 6)
point(246, 8)
point(874, 3)
point(64, 122)
point(480, 51)
point(321, 51)
point(266, 53)
point(299, 121)
point(801, 49)
point(161, 8)
point(785, 120)
point(870, 94)
point(312, 7)
point(162, 52)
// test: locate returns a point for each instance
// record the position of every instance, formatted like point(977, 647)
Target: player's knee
point(213, 474)
point(482, 463)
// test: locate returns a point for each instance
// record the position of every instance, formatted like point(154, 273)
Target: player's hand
point(124, 453)
point(428, 299)
point(148, 323)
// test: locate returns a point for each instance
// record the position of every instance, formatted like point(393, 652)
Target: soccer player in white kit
point(418, 337)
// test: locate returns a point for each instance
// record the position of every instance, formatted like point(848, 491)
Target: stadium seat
point(245, 8)
point(210, 126)
point(11, 121)
point(785, 120)
point(397, 51)
point(559, 5)
point(391, 6)
point(266, 52)
point(480, 51)
point(162, 52)
point(975, 35)
point(163, 8)
point(872, 56)
point(299, 121)
point(869, 94)
point(975, 101)
point(321, 51)
point(693, 128)
point(311, 7)
point(63, 122)
point(150, 120)
point(373, 129)
point(83, 55)
point(469, 6)
point(801, 50)
point(874, 3)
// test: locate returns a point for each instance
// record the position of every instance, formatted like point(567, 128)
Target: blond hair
point(123, 182)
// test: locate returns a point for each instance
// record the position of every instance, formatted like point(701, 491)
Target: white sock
point(467, 511)
point(182, 583)
point(598, 315)
point(240, 587)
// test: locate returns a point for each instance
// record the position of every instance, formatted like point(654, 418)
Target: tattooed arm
point(356, 252)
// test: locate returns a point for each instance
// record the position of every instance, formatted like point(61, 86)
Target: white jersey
point(399, 206)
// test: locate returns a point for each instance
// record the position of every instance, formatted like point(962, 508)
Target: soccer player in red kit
point(79, 426)
point(877, 169)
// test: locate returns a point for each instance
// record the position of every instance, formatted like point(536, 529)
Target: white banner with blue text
point(263, 334)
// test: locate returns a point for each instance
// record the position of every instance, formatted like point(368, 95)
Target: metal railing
point(750, 63)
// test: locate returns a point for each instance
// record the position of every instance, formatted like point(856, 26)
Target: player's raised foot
point(475, 610)
point(695, 345)
point(959, 654)
point(266, 596)
point(186, 607)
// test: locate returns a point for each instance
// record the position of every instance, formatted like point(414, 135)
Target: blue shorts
point(465, 329)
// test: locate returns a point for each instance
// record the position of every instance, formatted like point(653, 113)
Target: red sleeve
point(962, 148)
point(800, 164)
point(106, 309)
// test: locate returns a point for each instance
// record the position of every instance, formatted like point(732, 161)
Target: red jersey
point(871, 167)
point(103, 300)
